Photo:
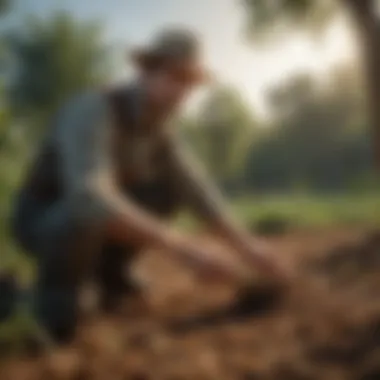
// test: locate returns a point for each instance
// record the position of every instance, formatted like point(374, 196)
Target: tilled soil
point(325, 326)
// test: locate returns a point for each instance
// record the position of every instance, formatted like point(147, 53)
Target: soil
point(325, 326)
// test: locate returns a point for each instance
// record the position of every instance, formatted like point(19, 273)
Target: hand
point(210, 263)
point(259, 255)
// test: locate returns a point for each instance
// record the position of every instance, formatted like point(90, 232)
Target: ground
point(325, 326)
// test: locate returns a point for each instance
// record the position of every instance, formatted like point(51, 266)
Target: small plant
point(273, 224)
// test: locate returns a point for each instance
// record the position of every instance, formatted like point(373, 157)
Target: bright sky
point(221, 25)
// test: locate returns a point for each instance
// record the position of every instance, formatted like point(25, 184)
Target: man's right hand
point(209, 262)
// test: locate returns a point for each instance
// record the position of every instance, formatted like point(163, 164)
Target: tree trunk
point(367, 21)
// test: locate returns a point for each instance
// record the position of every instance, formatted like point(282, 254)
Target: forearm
point(213, 210)
point(228, 229)
point(122, 219)
point(128, 223)
point(204, 198)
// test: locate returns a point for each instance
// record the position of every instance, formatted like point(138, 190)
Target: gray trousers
point(67, 253)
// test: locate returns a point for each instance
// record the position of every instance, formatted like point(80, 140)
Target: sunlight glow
point(257, 70)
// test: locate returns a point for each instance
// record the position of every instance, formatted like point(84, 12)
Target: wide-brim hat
point(177, 50)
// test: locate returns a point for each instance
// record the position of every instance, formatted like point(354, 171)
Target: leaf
point(268, 18)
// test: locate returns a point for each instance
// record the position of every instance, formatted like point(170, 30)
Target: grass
point(304, 210)
point(313, 211)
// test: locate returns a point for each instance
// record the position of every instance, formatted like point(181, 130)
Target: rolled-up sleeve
point(83, 140)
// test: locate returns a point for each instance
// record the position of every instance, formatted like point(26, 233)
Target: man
point(110, 171)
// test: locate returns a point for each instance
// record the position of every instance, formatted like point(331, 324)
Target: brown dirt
point(326, 326)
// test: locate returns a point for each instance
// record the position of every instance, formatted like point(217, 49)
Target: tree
point(317, 140)
point(55, 58)
point(4, 4)
point(264, 15)
point(222, 133)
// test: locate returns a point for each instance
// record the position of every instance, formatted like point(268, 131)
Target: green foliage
point(222, 132)
point(12, 157)
point(266, 17)
point(272, 224)
point(56, 58)
point(294, 210)
point(280, 213)
point(317, 140)
point(4, 5)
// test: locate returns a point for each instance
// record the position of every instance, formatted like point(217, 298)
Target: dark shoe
point(57, 313)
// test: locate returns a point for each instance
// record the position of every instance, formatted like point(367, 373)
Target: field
point(325, 326)
point(304, 211)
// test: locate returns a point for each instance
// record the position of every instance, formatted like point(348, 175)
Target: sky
point(220, 24)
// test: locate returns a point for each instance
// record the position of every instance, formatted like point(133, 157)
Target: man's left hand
point(259, 256)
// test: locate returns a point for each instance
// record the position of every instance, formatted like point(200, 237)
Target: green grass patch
point(294, 211)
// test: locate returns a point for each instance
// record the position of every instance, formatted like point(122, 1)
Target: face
point(167, 89)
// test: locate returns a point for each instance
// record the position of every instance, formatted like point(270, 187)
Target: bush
point(273, 224)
